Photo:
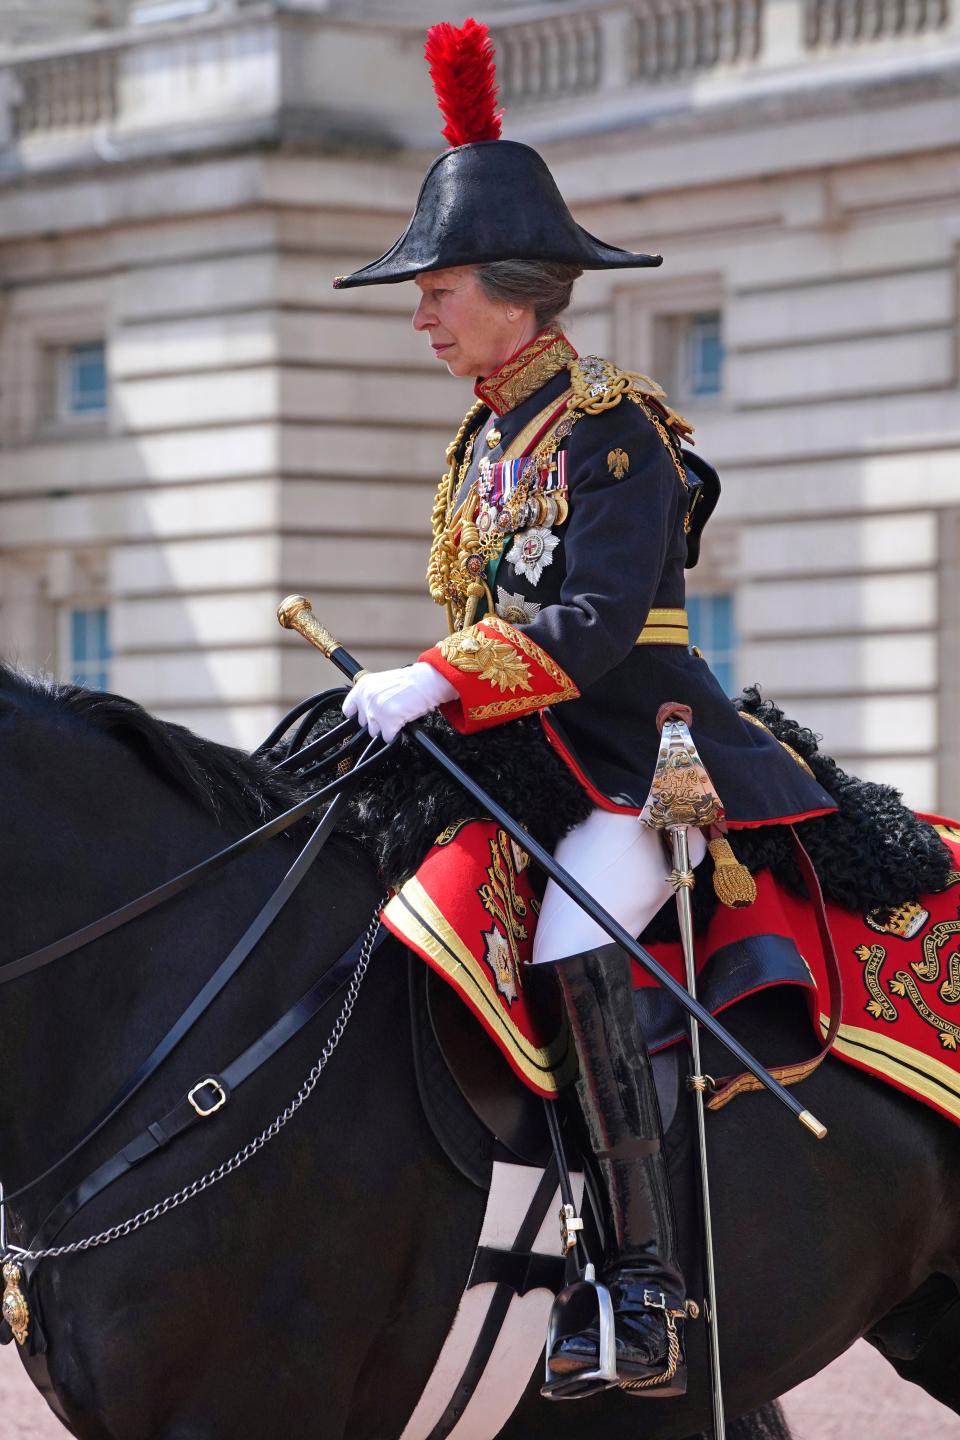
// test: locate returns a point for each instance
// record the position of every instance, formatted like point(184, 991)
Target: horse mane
point(221, 779)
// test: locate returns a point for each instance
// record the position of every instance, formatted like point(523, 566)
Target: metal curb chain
point(197, 1187)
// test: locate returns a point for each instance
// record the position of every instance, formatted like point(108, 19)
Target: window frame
point(67, 665)
point(62, 378)
point(646, 325)
point(723, 661)
point(29, 405)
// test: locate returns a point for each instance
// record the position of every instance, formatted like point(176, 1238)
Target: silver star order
point(498, 957)
point(516, 608)
point(532, 551)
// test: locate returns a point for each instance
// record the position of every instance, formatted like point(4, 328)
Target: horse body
point(309, 1293)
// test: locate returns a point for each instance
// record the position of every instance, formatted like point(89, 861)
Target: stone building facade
point(194, 423)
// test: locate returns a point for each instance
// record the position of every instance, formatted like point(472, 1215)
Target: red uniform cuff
point(499, 673)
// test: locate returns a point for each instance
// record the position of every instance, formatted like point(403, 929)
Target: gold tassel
point(734, 884)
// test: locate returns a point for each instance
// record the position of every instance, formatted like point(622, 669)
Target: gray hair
point(546, 285)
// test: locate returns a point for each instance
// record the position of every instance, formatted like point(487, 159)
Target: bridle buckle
point(219, 1101)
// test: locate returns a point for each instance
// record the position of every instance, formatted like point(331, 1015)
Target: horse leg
point(921, 1339)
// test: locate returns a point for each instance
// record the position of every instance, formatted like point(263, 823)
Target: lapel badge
point(493, 438)
point(618, 463)
point(15, 1309)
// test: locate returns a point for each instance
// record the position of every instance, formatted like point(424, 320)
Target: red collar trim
point(527, 371)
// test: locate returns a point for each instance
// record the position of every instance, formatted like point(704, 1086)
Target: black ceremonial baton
point(296, 613)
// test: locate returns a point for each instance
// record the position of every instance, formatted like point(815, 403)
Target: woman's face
point(470, 333)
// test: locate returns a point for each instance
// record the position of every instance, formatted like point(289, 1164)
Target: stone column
point(783, 40)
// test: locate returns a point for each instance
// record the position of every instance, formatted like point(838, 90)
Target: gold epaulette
point(598, 385)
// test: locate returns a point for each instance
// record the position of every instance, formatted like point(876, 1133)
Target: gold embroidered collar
point(527, 371)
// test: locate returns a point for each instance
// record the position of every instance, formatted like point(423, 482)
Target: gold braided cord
point(441, 555)
point(456, 568)
point(673, 1358)
point(664, 434)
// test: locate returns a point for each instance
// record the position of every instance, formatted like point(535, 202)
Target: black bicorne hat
point(491, 200)
point(486, 198)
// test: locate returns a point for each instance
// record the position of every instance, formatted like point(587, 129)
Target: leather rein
point(349, 751)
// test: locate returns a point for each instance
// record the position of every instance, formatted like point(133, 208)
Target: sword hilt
point(682, 793)
point(296, 613)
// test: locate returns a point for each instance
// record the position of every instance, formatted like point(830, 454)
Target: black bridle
point(346, 749)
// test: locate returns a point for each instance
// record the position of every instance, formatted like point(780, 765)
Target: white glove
point(390, 699)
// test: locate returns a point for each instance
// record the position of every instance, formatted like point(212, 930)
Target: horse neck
point(89, 827)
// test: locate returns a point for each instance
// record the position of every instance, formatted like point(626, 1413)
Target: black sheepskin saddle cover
point(872, 852)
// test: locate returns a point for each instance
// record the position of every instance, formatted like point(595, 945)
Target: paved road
point(857, 1398)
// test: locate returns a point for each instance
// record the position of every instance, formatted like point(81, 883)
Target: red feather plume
point(463, 71)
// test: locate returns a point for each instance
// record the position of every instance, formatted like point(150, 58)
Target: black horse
point(308, 1294)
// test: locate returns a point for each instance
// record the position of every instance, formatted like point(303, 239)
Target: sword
point(296, 613)
point(682, 795)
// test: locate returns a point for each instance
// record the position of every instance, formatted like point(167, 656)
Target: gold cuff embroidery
point(493, 660)
point(531, 649)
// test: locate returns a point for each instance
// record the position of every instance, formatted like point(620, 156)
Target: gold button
point(493, 439)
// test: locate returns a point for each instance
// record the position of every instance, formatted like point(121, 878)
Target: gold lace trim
point(443, 552)
point(477, 653)
point(794, 754)
point(494, 661)
point(531, 649)
point(527, 372)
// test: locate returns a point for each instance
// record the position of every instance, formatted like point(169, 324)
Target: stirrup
point(570, 1314)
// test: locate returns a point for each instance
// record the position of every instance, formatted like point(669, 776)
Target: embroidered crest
point(505, 904)
point(532, 551)
point(618, 463)
point(498, 957)
point(904, 921)
point(514, 608)
point(493, 660)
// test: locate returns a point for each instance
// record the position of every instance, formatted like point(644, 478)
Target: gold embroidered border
point(752, 720)
point(545, 356)
point(425, 926)
point(498, 709)
point(924, 1075)
point(533, 652)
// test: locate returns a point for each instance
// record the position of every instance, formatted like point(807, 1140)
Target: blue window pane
point(705, 354)
point(87, 378)
point(90, 647)
point(713, 631)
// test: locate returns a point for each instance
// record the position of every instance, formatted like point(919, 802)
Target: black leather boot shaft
point(619, 1102)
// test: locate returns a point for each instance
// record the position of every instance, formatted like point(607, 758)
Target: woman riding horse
point(560, 536)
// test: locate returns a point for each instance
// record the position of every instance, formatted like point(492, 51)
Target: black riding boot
point(622, 1114)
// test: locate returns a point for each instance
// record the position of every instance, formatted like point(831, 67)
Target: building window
point(712, 631)
point(703, 354)
point(89, 642)
point(688, 352)
point(80, 380)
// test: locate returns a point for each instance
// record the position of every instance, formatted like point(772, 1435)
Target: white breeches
point(624, 865)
